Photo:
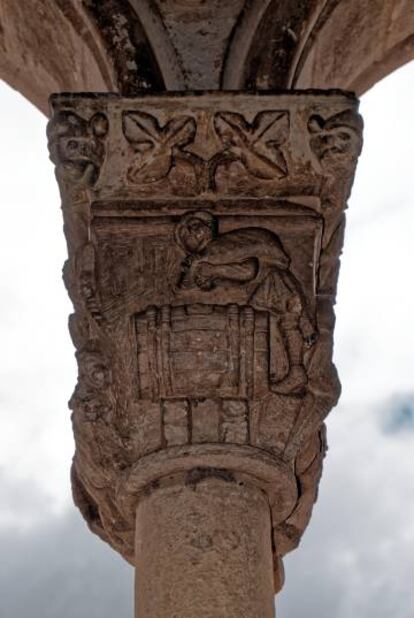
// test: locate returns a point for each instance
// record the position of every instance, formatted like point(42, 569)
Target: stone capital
point(204, 232)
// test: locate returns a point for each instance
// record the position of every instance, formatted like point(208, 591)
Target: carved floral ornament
point(204, 235)
point(158, 149)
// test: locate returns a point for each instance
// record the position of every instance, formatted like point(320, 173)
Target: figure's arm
point(237, 272)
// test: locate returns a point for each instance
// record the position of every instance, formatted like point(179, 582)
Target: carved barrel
point(198, 350)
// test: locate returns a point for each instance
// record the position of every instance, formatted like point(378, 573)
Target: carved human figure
point(94, 369)
point(91, 397)
point(254, 259)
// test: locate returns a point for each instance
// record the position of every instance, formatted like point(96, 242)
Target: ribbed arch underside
point(359, 44)
point(129, 46)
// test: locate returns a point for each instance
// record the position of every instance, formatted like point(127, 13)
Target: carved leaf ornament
point(258, 144)
point(154, 145)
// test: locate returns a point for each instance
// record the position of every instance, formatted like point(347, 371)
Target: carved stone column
point(204, 548)
point(204, 234)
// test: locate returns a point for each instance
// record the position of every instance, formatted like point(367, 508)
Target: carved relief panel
point(204, 234)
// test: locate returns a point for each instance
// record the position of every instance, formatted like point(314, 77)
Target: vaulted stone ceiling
point(127, 46)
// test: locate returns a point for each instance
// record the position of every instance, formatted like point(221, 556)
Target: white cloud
point(374, 333)
point(60, 570)
point(358, 551)
point(37, 369)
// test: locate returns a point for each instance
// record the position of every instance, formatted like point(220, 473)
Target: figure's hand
point(203, 276)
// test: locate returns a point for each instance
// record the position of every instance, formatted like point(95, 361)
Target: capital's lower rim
point(273, 476)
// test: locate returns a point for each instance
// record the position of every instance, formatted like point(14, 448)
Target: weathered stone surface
point(129, 47)
point(42, 50)
point(176, 422)
point(199, 33)
point(205, 417)
point(359, 44)
point(204, 235)
point(204, 549)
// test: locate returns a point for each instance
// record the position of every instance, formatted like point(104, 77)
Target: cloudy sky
point(357, 557)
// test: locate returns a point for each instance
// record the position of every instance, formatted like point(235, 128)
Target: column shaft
point(204, 549)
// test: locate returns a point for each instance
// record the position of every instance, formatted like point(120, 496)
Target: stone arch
point(268, 41)
point(41, 51)
point(359, 44)
point(112, 45)
point(319, 44)
point(58, 46)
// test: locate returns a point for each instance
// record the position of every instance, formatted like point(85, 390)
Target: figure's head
point(337, 137)
point(76, 145)
point(195, 231)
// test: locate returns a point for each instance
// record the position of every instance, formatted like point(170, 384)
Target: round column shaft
point(203, 548)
